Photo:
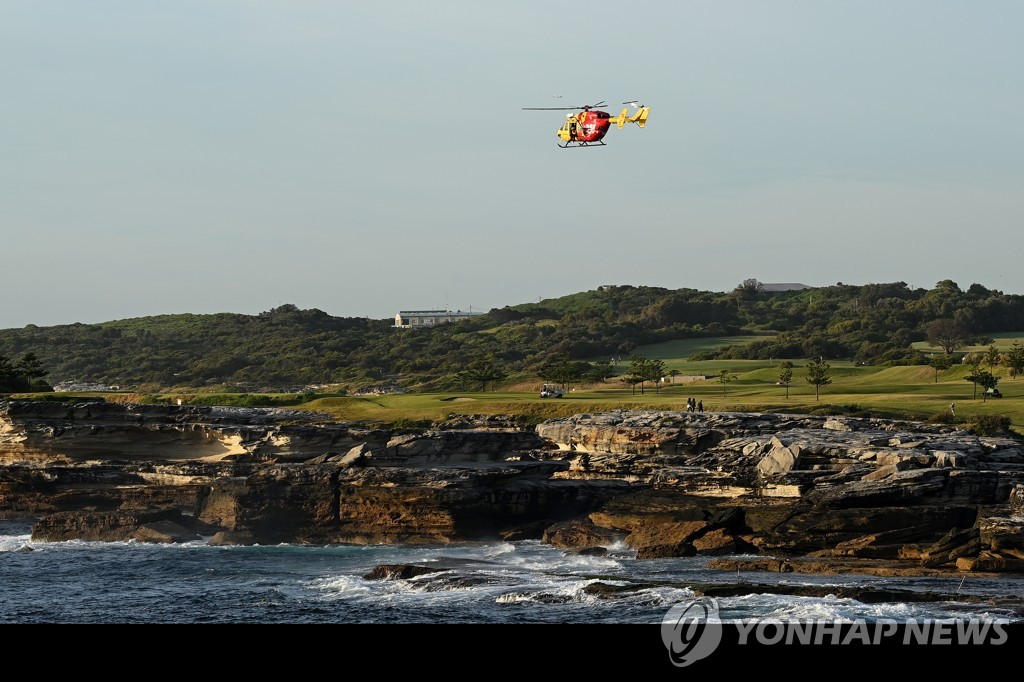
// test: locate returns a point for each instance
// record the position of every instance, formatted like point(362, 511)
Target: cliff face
point(789, 487)
point(52, 432)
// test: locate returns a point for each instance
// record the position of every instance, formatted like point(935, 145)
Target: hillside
point(289, 348)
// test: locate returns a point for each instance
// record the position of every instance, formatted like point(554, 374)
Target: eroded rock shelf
point(765, 492)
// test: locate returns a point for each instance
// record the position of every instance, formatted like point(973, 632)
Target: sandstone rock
point(900, 487)
point(600, 588)
point(166, 532)
point(779, 460)
point(666, 539)
point(113, 527)
point(720, 541)
point(356, 456)
point(955, 544)
point(1016, 498)
point(948, 459)
point(990, 562)
point(580, 534)
point(674, 483)
point(909, 459)
point(888, 470)
point(231, 538)
point(398, 572)
point(665, 551)
point(533, 530)
point(769, 565)
point(1002, 533)
point(593, 551)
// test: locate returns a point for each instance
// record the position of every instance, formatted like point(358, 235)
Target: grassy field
point(916, 392)
point(904, 392)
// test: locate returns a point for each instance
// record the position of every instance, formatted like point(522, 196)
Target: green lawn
point(905, 392)
point(915, 392)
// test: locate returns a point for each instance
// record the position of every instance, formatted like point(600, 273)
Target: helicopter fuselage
point(585, 127)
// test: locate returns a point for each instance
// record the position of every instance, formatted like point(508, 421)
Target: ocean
point(523, 582)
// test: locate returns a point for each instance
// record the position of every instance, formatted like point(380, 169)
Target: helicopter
point(590, 124)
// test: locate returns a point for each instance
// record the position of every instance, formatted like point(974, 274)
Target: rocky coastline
point(749, 491)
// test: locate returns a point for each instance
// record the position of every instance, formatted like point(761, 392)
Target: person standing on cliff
point(700, 406)
point(952, 409)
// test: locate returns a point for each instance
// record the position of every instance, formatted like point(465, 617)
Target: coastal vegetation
point(886, 348)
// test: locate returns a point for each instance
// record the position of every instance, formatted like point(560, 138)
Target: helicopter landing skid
point(577, 144)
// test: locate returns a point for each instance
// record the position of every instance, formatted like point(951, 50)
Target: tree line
point(24, 375)
point(563, 340)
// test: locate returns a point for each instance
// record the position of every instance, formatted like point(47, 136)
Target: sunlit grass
point(913, 392)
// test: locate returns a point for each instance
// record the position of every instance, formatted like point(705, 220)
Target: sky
point(207, 156)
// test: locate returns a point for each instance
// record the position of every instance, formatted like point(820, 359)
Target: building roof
point(784, 286)
point(434, 313)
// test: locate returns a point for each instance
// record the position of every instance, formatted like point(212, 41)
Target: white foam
point(343, 586)
point(14, 543)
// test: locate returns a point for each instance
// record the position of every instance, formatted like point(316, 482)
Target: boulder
point(166, 532)
point(779, 460)
point(580, 534)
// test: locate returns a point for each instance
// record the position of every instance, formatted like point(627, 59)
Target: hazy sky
point(200, 156)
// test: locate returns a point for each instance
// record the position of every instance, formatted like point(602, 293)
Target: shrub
point(989, 424)
point(409, 425)
point(944, 417)
point(57, 398)
point(831, 410)
point(232, 400)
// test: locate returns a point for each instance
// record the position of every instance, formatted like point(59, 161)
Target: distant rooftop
point(771, 287)
point(439, 312)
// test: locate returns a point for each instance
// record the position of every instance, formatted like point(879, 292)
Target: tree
point(986, 380)
point(749, 288)
point(947, 334)
point(644, 370)
point(1015, 359)
point(26, 375)
point(484, 371)
point(655, 373)
point(724, 377)
point(940, 363)
point(7, 374)
point(561, 370)
point(600, 371)
point(786, 375)
point(631, 380)
point(30, 367)
point(976, 376)
point(817, 375)
point(992, 357)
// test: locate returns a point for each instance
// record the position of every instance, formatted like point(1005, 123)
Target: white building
point(428, 318)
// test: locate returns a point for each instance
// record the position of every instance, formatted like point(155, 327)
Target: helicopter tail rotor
point(639, 118)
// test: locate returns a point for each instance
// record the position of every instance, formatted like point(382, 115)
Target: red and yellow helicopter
point(589, 125)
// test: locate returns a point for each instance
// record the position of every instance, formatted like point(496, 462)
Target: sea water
point(79, 582)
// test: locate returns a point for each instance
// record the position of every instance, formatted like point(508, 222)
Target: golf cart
point(550, 391)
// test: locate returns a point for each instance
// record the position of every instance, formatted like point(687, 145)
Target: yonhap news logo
point(692, 631)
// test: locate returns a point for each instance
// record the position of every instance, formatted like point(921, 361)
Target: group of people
point(694, 405)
